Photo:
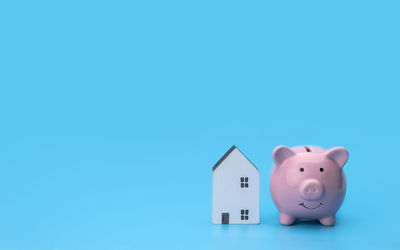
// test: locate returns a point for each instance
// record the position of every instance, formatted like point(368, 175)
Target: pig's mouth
point(302, 204)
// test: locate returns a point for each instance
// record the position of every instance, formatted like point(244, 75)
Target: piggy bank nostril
point(314, 190)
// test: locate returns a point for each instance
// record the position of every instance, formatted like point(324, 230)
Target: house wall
point(229, 197)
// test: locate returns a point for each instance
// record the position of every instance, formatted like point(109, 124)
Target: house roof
point(227, 154)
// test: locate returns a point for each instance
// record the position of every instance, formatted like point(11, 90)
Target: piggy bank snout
point(311, 190)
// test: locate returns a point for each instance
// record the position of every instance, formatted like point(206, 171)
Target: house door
point(225, 218)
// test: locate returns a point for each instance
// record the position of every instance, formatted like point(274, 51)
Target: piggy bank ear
point(339, 155)
point(281, 154)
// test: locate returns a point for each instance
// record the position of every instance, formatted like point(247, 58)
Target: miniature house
point(235, 190)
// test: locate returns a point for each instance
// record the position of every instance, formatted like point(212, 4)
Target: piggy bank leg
point(286, 219)
point(328, 221)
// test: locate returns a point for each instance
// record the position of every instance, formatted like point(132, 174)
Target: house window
point(244, 182)
point(244, 214)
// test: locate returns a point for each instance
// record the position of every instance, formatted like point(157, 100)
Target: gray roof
point(226, 155)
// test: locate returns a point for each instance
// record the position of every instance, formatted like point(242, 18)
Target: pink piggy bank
point(307, 182)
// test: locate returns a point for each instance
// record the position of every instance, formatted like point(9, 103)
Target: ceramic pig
point(307, 182)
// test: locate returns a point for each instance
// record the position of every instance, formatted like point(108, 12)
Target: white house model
point(235, 190)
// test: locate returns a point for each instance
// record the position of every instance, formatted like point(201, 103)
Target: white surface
point(229, 197)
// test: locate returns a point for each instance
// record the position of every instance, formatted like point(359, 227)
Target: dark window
point(244, 182)
point(244, 214)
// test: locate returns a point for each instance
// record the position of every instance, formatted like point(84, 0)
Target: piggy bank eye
point(301, 169)
point(321, 169)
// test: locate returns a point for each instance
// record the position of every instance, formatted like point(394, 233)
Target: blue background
point(114, 112)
